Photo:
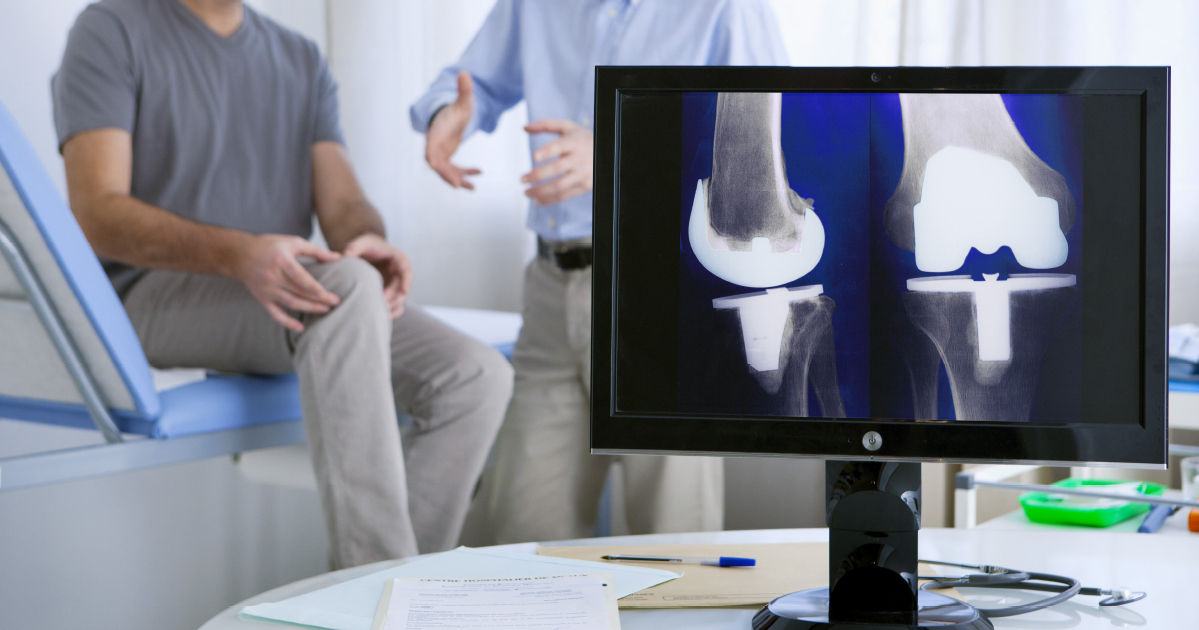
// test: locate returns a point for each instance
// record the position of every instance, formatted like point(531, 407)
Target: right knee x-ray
point(911, 256)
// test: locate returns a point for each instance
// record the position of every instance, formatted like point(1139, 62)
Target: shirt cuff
point(423, 112)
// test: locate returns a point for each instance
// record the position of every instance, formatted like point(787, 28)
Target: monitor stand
point(873, 514)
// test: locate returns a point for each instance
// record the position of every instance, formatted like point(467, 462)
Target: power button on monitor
point(872, 441)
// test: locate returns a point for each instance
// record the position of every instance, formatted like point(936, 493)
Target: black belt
point(568, 256)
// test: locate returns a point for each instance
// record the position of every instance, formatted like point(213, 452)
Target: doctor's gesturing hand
point(445, 134)
point(565, 164)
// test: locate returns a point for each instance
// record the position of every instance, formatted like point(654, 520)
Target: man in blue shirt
point(546, 485)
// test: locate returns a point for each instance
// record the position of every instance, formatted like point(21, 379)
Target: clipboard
point(781, 568)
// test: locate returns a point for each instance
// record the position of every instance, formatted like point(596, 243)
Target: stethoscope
point(999, 577)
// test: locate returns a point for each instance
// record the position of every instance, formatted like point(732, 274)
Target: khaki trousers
point(546, 485)
point(356, 366)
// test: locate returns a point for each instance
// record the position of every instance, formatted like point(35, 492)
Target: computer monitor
point(882, 265)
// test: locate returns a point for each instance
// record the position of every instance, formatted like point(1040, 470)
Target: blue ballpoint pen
point(723, 561)
point(1156, 517)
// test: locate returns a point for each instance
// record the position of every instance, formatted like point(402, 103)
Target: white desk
point(1165, 566)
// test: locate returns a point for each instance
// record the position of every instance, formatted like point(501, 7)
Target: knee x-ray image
point(774, 280)
point(901, 256)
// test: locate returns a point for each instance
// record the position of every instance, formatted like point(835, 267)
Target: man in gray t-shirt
point(200, 139)
point(222, 127)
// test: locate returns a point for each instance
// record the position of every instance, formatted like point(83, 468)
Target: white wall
point(468, 248)
point(32, 36)
point(161, 549)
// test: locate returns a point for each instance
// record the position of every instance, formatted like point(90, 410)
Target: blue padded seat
point(219, 402)
point(227, 402)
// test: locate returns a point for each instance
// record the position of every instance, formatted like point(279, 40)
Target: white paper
point(351, 605)
point(564, 602)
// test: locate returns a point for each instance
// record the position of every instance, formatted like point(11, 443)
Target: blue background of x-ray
point(846, 152)
point(826, 145)
point(1051, 125)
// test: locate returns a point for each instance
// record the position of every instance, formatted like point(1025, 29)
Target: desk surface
point(1165, 566)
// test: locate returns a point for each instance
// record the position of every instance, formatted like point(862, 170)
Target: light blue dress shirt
point(545, 52)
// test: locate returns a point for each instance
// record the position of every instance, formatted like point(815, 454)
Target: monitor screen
point(901, 256)
point(933, 250)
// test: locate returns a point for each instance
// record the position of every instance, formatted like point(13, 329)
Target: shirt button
point(611, 13)
point(552, 223)
point(586, 121)
point(636, 1)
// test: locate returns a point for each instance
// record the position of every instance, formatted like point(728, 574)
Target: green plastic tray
point(1042, 507)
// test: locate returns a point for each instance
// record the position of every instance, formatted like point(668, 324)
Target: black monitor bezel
point(1141, 445)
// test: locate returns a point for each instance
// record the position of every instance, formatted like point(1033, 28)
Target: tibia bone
point(808, 355)
point(992, 391)
point(992, 303)
point(922, 361)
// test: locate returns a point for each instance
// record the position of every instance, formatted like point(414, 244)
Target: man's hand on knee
point(391, 262)
point(268, 266)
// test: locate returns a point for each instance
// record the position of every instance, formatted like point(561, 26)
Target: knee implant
point(970, 198)
point(748, 227)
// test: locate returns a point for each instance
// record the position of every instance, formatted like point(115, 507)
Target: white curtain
point(1032, 32)
point(469, 248)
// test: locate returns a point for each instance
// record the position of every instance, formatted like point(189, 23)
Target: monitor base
point(808, 610)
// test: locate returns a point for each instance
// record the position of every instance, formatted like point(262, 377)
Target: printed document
point(351, 605)
point(562, 602)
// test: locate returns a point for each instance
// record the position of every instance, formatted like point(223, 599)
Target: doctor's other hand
point(565, 164)
point(268, 267)
point(445, 134)
point(391, 262)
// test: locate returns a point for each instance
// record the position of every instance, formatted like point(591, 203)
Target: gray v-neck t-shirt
point(222, 128)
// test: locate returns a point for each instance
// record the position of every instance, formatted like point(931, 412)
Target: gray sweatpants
point(356, 368)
